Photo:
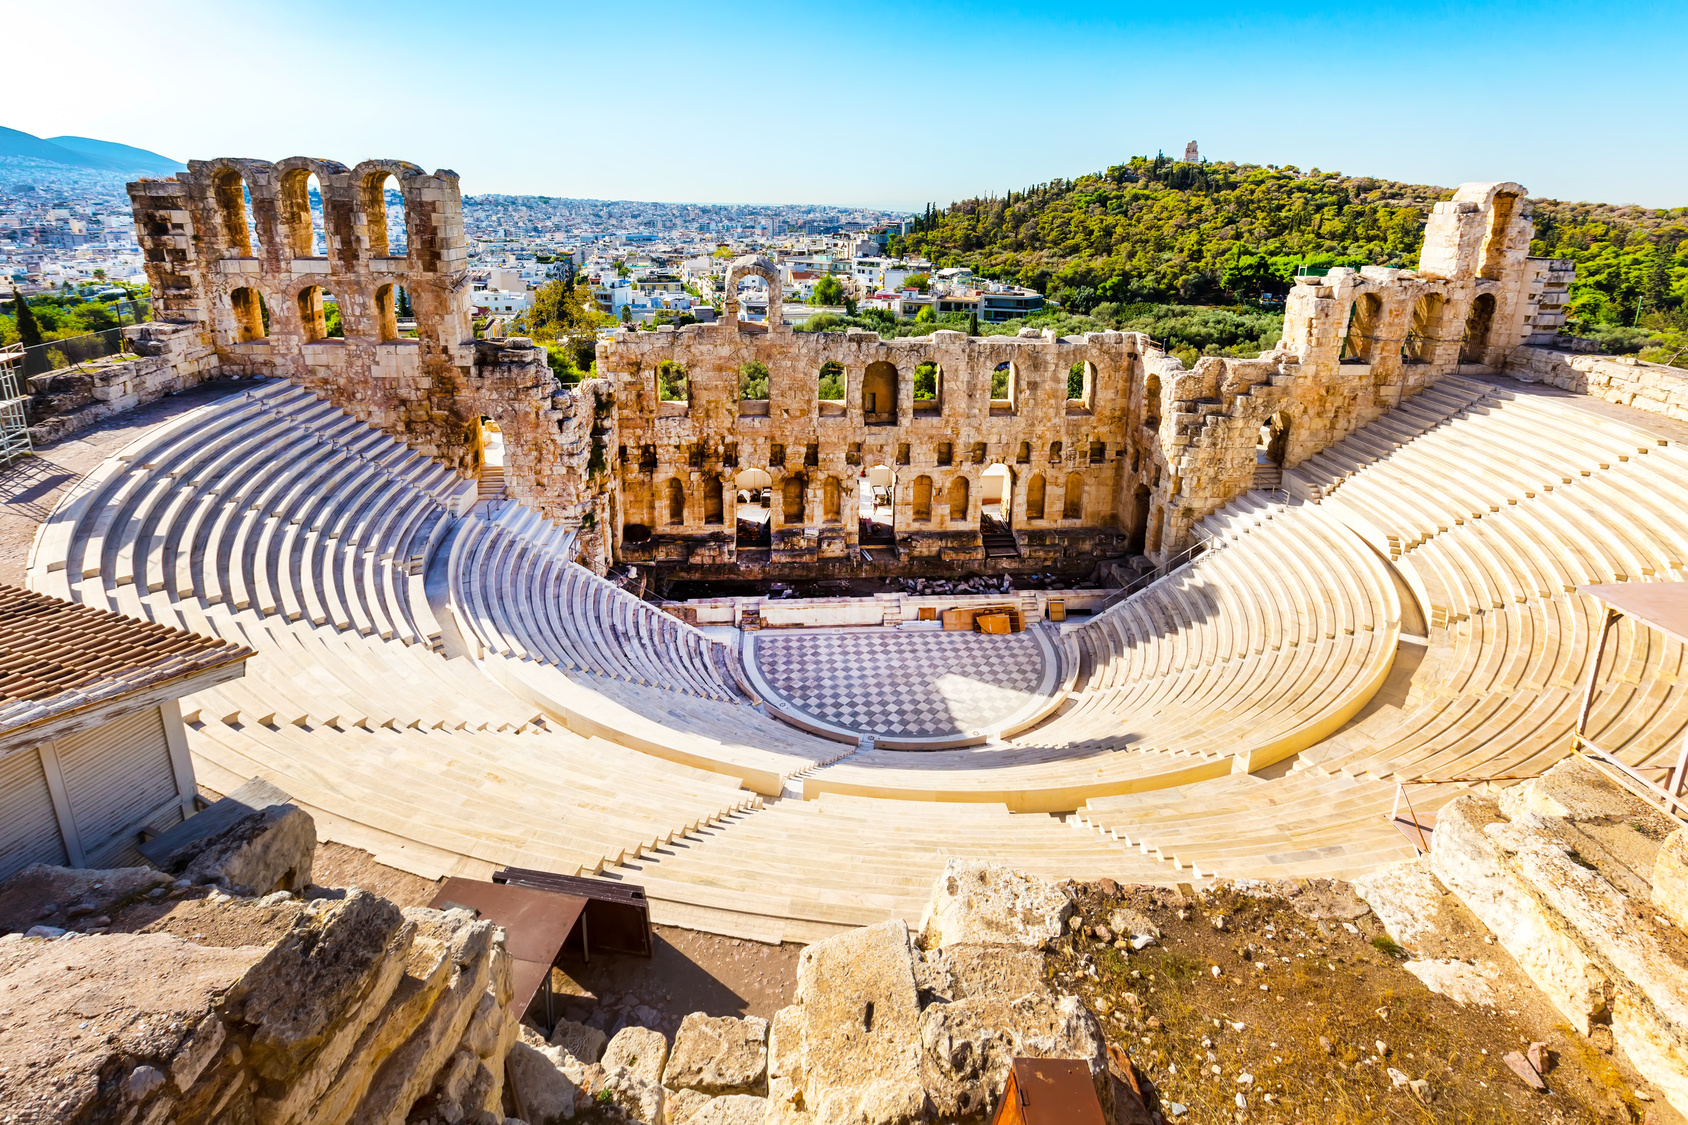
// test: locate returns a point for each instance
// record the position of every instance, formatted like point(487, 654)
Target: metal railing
point(1176, 563)
point(14, 424)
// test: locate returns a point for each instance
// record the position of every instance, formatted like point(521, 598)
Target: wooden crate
point(967, 617)
point(993, 623)
point(1057, 609)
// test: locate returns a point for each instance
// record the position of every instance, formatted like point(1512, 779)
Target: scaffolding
point(14, 424)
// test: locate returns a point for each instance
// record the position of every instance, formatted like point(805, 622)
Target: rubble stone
point(976, 902)
point(719, 1055)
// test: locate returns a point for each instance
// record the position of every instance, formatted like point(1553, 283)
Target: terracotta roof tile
point(58, 656)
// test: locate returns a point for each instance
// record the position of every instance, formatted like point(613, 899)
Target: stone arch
point(300, 219)
point(371, 179)
point(792, 496)
point(386, 313)
point(754, 498)
point(1503, 205)
point(1274, 437)
point(1365, 321)
point(312, 313)
point(920, 500)
point(1056, 452)
point(1152, 402)
point(1138, 540)
point(754, 265)
point(1424, 330)
point(1035, 488)
point(249, 314)
point(1024, 455)
point(675, 496)
point(714, 504)
point(234, 209)
point(1072, 504)
point(1005, 387)
point(1478, 323)
point(959, 494)
point(832, 500)
point(929, 387)
point(879, 394)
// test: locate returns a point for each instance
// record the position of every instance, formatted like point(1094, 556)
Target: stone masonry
point(1129, 465)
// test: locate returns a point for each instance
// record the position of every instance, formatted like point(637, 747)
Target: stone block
point(270, 850)
point(978, 902)
point(719, 1055)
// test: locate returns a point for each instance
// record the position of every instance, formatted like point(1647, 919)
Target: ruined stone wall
point(162, 358)
point(1622, 379)
point(675, 461)
point(206, 262)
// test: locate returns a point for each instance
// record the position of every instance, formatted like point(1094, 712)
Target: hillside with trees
point(1144, 237)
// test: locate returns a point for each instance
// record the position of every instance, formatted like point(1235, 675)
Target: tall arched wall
point(712, 437)
point(427, 391)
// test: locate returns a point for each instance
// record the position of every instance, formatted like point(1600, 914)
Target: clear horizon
point(884, 106)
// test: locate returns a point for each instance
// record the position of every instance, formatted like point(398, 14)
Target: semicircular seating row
point(1496, 518)
point(1266, 643)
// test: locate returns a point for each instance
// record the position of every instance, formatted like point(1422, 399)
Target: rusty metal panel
point(1049, 1092)
point(536, 924)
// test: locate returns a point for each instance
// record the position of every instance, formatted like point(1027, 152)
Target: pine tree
point(973, 324)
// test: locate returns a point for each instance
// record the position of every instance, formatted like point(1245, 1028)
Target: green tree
point(831, 387)
point(404, 311)
point(1075, 381)
point(827, 291)
point(926, 380)
point(753, 380)
point(925, 315)
point(917, 282)
point(1657, 294)
point(29, 333)
point(671, 382)
point(973, 323)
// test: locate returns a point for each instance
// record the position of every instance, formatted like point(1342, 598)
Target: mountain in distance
point(126, 157)
point(84, 152)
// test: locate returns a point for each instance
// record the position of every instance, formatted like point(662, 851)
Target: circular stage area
point(909, 689)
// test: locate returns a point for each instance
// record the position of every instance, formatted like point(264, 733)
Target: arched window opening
point(713, 503)
point(793, 514)
point(1478, 321)
point(879, 394)
point(1024, 456)
point(1152, 402)
point(928, 388)
point(404, 314)
point(830, 387)
point(1494, 242)
point(1055, 453)
point(753, 387)
point(676, 501)
point(877, 506)
point(251, 316)
point(311, 313)
point(922, 499)
point(1073, 508)
point(1034, 497)
point(755, 508)
point(958, 499)
point(1081, 385)
point(1365, 321)
point(234, 205)
point(384, 216)
point(832, 500)
point(386, 313)
point(1425, 329)
point(302, 214)
point(672, 384)
point(1004, 385)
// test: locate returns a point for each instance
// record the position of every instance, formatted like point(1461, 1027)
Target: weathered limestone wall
point(166, 358)
point(1624, 380)
point(817, 451)
point(205, 261)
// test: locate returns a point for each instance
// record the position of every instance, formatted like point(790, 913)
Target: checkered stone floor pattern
point(891, 683)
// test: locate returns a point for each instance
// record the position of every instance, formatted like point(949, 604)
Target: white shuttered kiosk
point(93, 756)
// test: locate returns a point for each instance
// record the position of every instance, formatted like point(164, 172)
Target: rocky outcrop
point(1560, 870)
point(270, 850)
point(884, 1033)
point(360, 1012)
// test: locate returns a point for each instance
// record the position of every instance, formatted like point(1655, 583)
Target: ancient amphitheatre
point(1393, 519)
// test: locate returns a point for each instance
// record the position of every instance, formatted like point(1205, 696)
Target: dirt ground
point(1247, 1009)
point(30, 486)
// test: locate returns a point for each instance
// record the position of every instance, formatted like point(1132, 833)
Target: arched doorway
point(1273, 443)
point(755, 508)
point(1035, 488)
point(251, 316)
point(1364, 321)
point(1139, 521)
point(877, 507)
point(996, 497)
point(1424, 330)
point(879, 394)
point(676, 502)
point(1475, 345)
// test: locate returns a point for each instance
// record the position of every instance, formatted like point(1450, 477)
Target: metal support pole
point(1677, 775)
point(1594, 672)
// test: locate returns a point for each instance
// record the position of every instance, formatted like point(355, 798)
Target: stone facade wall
point(1624, 380)
point(1147, 450)
point(204, 259)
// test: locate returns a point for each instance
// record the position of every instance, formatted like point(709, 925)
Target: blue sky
point(881, 104)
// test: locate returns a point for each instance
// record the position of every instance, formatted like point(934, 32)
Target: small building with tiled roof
point(93, 755)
